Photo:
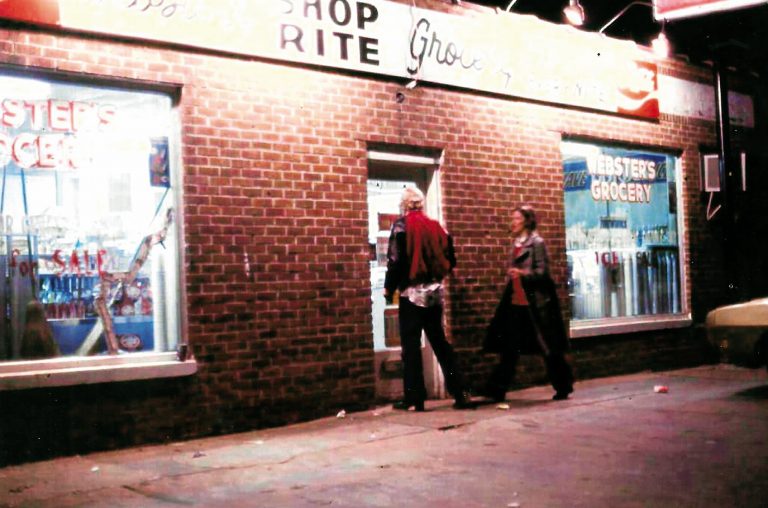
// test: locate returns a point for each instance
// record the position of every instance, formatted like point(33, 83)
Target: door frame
point(424, 171)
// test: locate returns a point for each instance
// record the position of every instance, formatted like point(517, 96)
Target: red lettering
point(607, 258)
point(56, 258)
point(13, 113)
point(48, 151)
point(107, 114)
point(100, 254)
point(36, 112)
point(87, 262)
point(59, 115)
point(23, 150)
point(83, 116)
point(25, 267)
point(74, 263)
point(78, 262)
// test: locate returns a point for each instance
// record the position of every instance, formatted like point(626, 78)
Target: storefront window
point(622, 237)
point(88, 256)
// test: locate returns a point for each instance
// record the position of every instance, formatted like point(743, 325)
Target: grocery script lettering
point(427, 43)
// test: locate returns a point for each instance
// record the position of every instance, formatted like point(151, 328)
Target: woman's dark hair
point(529, 215)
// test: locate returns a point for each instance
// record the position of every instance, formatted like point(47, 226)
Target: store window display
point(622, 238)
point(88, 256)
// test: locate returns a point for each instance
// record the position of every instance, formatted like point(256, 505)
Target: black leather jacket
point(398, 264)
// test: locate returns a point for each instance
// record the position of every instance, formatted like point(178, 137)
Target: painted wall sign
point(677, 9)
point(697, 100)
point(501, 53)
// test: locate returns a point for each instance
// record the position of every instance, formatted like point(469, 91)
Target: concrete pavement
point(615, 443)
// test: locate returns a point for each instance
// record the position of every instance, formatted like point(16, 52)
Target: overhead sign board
point(501, 53)
point(677, 9)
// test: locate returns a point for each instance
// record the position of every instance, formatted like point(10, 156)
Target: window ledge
point(611, 326)
point(93, 369)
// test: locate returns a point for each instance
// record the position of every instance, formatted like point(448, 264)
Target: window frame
point(81, 370)
point(646, 322)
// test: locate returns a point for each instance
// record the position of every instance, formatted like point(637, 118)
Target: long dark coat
point(543, 304)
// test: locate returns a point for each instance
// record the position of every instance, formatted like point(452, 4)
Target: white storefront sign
point(504, 53)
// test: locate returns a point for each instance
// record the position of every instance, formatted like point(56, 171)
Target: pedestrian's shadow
point(758, 392)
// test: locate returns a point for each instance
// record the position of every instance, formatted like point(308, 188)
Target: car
point(740, 332)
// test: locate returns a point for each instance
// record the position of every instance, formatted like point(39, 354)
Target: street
point(618, 442)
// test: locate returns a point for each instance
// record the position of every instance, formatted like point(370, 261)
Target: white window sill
point(68, 371)
point(611, 326)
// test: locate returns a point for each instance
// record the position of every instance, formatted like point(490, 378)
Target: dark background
point(736, 37)
point(736, 41)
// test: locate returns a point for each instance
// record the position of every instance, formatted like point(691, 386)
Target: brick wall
point(274, 167)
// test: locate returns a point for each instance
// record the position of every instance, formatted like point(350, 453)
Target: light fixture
point(574, 13)
point(660, 44)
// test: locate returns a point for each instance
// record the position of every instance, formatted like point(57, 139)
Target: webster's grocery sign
point(501, 53)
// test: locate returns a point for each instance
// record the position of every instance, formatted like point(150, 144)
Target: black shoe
point(562, 395)
point(404, 405)
point(462, 401)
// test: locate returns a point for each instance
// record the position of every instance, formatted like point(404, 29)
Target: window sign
point(88, 258)
point(621, 222)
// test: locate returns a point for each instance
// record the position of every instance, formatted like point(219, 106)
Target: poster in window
point(159, 167)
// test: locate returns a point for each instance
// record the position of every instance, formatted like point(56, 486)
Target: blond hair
point(412, 199)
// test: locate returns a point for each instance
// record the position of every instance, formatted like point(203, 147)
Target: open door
point(388, 174)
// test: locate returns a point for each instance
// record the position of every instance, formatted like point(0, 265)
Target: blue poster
point(159, 164)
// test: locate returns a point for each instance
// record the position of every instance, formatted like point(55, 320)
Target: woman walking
point(528, 318)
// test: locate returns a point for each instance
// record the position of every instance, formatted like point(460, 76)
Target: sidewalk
point(615, 443)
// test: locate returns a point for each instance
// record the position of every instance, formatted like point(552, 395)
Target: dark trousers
point(414, 319)
point(520, 334)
